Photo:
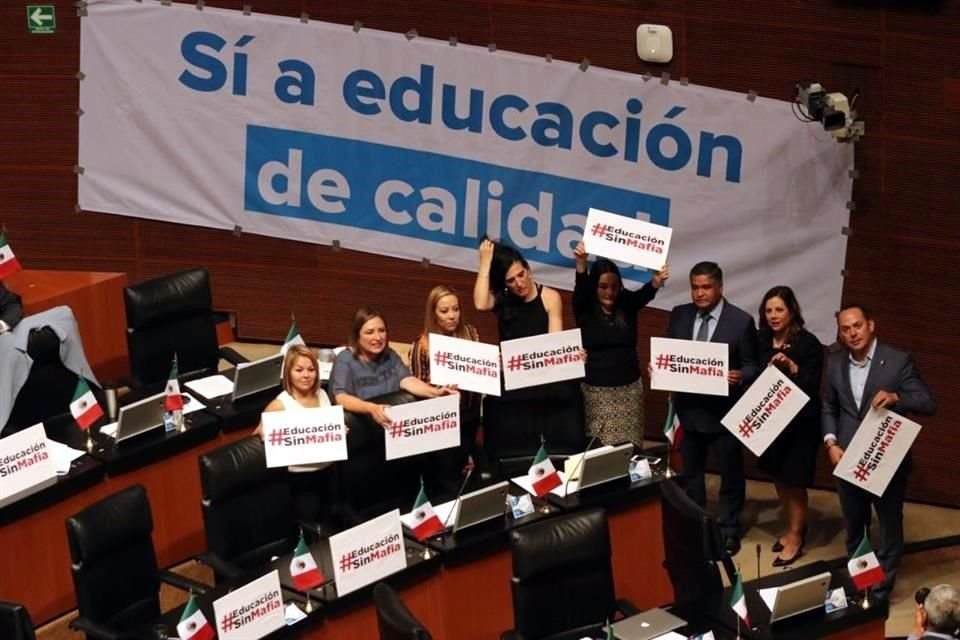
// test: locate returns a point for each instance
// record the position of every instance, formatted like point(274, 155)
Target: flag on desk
point(293, 338)
point(425, 520)
point(193, 625)
point(864, 568)
point(9, 264)
point(84, 407)
point(303, 568)
point(671, 426)
point(173, 400)
point(543, 477)
point(738, 601)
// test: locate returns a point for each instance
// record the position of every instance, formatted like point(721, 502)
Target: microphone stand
point(578, 467)
point(427, 554)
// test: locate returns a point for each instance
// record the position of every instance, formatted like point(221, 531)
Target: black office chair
point(514, 425)
point(49, 387)
point(693, 546)
point(15, 623)
point(248, 512)
point(169, 315)
point(394, 619)
point(115, 574)
point(562, 578)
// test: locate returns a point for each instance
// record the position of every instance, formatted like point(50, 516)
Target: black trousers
point(733, 488)
point(856, 503)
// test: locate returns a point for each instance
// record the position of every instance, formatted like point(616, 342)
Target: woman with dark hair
point(607, 316)
point(792, 457)
point(369, 368)
point(443, 317)
point(505, 285)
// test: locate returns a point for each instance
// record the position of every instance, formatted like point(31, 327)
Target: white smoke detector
point(654, 43)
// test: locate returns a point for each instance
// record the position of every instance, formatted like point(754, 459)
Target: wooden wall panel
point(901, 55)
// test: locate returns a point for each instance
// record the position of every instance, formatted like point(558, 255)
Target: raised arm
point(554, 306)
point(482, 297)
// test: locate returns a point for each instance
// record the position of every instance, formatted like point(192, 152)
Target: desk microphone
point(758, 561)
point(456, 500)
point(581, 461)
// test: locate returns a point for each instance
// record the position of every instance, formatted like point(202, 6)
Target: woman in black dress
point(792, 457)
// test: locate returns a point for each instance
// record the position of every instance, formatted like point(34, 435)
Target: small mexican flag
point(425, 521)
point(864, 568)
point(293, 338)
point(9, 264)
point(303, 568)
point(542, 475)
point(738, 601)
point(173, 401)
point(671, 426)
point(84, 407)
point(193, 625)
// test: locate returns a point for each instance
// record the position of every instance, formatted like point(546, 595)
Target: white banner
point(304, 436)
point(417, 149)
point(632, 241)
point(368, 552)
point(419, 427)
point(548, 357)
point(252, 611)
point(765, 410)
point(878, 447)
point(25, 462)
point(689, 365)
point(472, 366)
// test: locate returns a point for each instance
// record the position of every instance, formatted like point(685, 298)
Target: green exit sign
point(41, 18)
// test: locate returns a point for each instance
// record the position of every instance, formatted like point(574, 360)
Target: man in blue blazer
point(869, 373)
point(711, 318)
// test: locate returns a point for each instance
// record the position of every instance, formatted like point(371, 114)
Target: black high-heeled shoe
point(786, 562)
point(778, 546)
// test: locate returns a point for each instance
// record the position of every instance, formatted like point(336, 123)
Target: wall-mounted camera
point(832, 110)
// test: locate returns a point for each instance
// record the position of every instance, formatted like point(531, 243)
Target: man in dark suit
point(938, 616)
point(869, 373)
point(711, 318)
point(11, 311)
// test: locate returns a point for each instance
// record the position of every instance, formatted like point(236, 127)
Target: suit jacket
point(698, 412)
point(11, 311)
point(891, 370)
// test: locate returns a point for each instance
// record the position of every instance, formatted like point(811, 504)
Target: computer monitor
point(605, 465)
point(139, 417)
point(256, 376)
point(481, 505)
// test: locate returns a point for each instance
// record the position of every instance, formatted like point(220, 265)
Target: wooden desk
point(97, 303)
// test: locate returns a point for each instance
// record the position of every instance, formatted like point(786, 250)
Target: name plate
point(419, 427)
point(26, 464)
point(252, 611)
point(876, 450)
point(368, 552)
point(548, 357)
point(765, 410)
point(304, 436)
point(473, 366)
point(626, 239)
point(689, 366)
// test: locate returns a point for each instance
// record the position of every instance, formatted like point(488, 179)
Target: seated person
point(15, 362)
point(301, 390)
point(938, 616)
point(369, 368)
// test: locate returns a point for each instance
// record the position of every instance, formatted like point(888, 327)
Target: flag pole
point(668, 470)
point(309, 606)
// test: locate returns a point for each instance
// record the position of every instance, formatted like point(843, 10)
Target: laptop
point(605, 466)
point(140, 417)
point(797, 597)
point(646, 625)
point(481, 505)
point(252, 377)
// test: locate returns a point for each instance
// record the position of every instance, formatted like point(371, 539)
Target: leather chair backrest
point(246, 506)
point(692, 545)
point(167, 315)
point(394, 619)
point(562, 576)
point(15, 623)
point(114, 563)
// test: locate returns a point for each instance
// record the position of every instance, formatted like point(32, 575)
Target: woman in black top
point(792, 457)
point(607, 316)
